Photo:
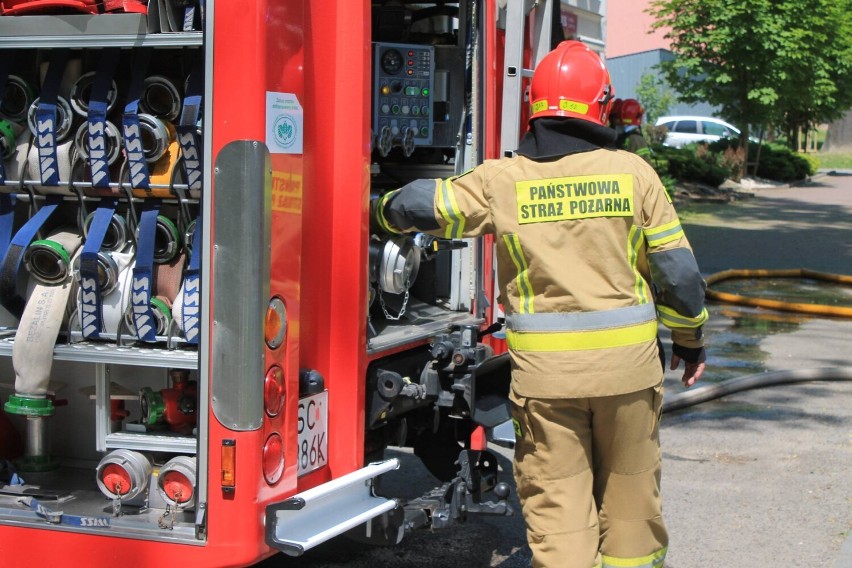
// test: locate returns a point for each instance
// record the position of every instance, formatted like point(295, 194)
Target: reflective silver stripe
point(577, 321)
point(663, 234)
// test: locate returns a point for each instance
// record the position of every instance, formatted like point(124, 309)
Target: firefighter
point(628, 120)
point(572, 221)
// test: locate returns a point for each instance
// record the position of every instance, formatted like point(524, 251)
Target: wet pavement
point(759, 478)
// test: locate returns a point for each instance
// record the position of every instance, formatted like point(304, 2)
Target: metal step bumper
point(312, 517)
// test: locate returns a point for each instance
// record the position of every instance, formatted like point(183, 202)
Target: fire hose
point(772, 378)
point(815, 309)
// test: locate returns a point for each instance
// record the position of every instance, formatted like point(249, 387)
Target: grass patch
point(834, 160)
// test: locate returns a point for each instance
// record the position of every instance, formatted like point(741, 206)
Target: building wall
point(628, 29)
point(633, 49)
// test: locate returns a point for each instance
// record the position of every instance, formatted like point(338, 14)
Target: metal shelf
point(90, 352)
point(83, 31)
point(152, 442)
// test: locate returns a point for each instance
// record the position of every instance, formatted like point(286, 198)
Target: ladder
point(513, 70)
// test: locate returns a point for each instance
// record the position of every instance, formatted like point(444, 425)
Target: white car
point(690, 129)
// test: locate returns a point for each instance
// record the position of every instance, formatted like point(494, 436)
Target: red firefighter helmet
point(631, 113)
point(614, 112)
point(571, 81)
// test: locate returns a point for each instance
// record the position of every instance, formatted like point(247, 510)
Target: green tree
point(656, 98)
point(655, 95)
point(761, 62)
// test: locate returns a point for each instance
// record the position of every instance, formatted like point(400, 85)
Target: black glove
point(689, 354)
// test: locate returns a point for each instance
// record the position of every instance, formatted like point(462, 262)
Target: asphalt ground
point(759, 478)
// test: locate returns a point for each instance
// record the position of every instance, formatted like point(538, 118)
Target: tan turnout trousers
point(584, 468)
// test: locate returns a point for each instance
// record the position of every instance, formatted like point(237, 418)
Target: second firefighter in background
point(590, 254)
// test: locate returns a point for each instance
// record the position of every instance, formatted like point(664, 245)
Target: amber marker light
point(229, 465)
point(275, 328)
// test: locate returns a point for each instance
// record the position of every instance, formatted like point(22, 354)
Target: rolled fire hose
point(816, 309)
point(17, 98)
point(167, 277)
point(161, 98)
point(187, 306)
point(46, 130)
point(62, 167)
point(10, 296)
point(143, 320)
point(81, 93)
point(72, 69)
point(117, 236)
point(49, 260)
point(8, 139)
point(64, 118)
point(101, 142)
point(16, 167)
point(713, 391)
point(137, 165)
point(159, 139)
point(94, 274)
point(115, 271)
point(188, 137)
point(111, 137)
point(161, 319)
point(32, 352)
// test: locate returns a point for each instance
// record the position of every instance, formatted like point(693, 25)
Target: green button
point(424, 132)
point(395, 109)
point(411, 91)
point(425, 91)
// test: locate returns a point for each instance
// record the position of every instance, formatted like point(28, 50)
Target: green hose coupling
point(29, 406)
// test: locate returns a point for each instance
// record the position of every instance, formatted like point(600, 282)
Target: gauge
point(391, 61)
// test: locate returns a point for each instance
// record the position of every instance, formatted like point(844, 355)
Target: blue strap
point(7, 221)
point(190, 320)
point(9, 296)
point(143, 315)
point(46, 117)
point(98, 103)
point(60, 518)
point(188, 127)
point(91, 301)
point(138, 166)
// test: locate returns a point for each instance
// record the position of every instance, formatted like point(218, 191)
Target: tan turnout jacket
point(590, 254)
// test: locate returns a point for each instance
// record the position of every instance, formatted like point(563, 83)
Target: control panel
point(403, 77)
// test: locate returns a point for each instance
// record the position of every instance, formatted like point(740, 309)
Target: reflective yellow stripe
point(582, 340)
point(449, 210)
point(671, 318)
point(380, 216)
point(651, 561)
point(643, 151)
point(640, 287)
point(525, 290)
point(663, 234)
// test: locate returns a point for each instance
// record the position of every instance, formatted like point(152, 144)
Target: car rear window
point(687, 126)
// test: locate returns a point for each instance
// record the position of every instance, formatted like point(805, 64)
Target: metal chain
point(401, 310)
point(116, 503)
point(167, 519)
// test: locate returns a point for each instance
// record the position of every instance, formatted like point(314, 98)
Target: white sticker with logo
point(284, 127)
point(313, 432)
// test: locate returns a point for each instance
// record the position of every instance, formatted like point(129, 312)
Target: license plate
point(313, 430)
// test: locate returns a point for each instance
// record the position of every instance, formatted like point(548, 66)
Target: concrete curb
point(845, 558)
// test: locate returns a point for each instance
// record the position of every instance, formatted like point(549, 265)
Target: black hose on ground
point(759, 380)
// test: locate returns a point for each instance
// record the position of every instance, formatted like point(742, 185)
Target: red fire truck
point(206, 349)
